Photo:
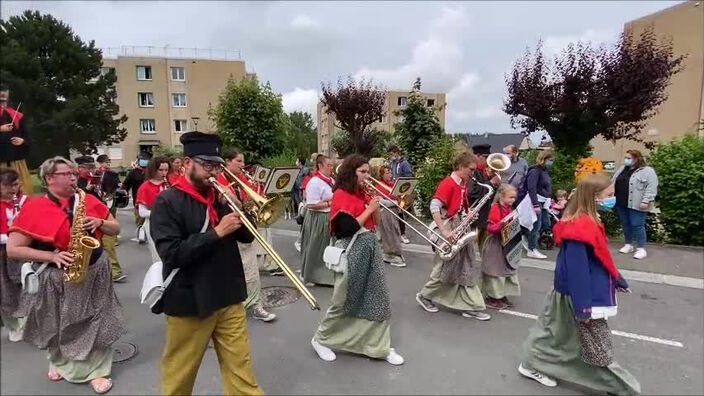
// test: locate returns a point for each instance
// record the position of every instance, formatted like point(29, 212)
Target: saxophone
point(82, 245)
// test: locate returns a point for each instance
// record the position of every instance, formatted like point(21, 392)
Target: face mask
point(549, 163)
point(142, 163)
point(628, 161)
point(607, 204)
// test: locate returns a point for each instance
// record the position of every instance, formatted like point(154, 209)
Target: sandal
point(54, 376)
point(101, 389)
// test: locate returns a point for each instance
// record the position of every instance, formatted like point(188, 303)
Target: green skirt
point(462, 298)
point(98, 364)
point(553, 348)
point(315, 237)
point(350, 334)
point(500, 287)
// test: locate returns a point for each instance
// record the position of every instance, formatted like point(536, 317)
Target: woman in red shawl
point(389, 229)
point(76, 322)
point(155, 183)
point(175, 170)
point(358, 318)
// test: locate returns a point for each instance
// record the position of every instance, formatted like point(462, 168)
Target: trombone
point(404, 202)
point(265, 210)
point(268, 249)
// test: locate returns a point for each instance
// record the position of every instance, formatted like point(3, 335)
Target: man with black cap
point(197, 234)
point(476, 192)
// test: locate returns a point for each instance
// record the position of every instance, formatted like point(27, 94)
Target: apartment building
point(165, 96)
point(684, 108)
point(395, 100)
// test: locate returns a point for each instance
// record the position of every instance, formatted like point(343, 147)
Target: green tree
point(436, 166)
point(301, 137)
point(375, 143)
point(166, 151)
point(67, 102)
point(250, 116)
point(419, 126)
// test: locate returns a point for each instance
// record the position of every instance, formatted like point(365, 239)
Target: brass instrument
point(404, 202)
point(81, 245)
point(266, 205)
point(265, 210)
point(463, 233)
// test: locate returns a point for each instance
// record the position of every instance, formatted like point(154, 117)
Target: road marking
point(645, 277)
point(614, 332)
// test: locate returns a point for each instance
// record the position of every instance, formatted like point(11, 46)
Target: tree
point(374, 144)
point(301, 137)
point(67, 102)
point(419, 126)
point(585, 92)
point(356, 106)
point(250, 116)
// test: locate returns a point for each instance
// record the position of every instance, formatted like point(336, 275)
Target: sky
point(463, 49)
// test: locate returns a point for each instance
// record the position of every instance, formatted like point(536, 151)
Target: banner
point(281, 180)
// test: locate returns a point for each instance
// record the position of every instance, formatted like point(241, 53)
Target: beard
point(199, 182)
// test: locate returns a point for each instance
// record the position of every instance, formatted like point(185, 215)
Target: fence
point(171, 52)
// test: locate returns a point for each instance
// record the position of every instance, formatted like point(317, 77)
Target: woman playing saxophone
point(76, 322)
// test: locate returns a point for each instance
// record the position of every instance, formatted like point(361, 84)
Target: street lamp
point(195, 123)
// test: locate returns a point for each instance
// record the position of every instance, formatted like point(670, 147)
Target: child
point(559, 203)
point(499, 279)
point(571, 340)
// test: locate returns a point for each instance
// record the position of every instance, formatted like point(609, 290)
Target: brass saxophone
point(82, 245)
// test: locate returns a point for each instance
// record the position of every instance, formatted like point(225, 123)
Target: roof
point(497, 141)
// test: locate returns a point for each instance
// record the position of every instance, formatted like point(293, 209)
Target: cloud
point(301, 21)
point(301, 100)
point(553, 45)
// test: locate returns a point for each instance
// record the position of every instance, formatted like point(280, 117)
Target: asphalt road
point(445, 353)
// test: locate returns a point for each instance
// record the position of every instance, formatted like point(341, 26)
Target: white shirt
point(317, 190)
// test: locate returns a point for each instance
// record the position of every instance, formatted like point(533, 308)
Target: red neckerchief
point(14, 115)
point(324, 178)
point(351, 204)
point(584, 229)
point(384, 191)
point(184, 185)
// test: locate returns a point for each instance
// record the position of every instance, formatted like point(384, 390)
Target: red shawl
point(305, 181)
point(451, 195)
point(43, 220)
point(147, 192)
point(173, 178)
point(14, 115)
point(329, 180)
point(184, 185)
point(383, 190)
point(584, 229)
point(352, 204)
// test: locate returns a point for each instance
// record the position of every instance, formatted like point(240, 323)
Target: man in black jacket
point(14, 144)
point(476, 192)
point(196, 234)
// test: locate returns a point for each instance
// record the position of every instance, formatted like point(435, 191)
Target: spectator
point(636, 187)
point(400, 167)
point(538, 185)
point(517, 171)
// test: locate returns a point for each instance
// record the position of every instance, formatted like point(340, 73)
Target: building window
point(180, 125)
point(178, 74)
point(144, 72)
point(402, 101)
point(145, 99)
point(147, 125)
point(431, 102)
point(178, 99)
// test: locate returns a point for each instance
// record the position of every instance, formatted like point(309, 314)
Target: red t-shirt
point(452, 195)
point(147, 192)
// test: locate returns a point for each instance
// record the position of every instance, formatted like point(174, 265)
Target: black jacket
point(476, 193)
point(211, 274)
point(134, 179)
point(8, 151)
point(537, 182)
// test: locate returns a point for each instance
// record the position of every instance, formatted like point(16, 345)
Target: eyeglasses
point(73, 173)
point(207, 165)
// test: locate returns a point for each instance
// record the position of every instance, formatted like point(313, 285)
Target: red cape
point(14, 114)
point(352, 204)
point(147, 192)
point(584, 229)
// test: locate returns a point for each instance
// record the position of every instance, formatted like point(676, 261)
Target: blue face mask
point(607, 204)
point(549, 163)
point(628, 161)
point(142, 163)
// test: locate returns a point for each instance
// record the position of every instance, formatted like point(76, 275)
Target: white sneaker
point(323, 352)
point(640, 254)
point(297, 244)
point(263, 315)
point(394, 358)
point(536, 254)
point(15, 335)
point(478, 315)
point(535, 375)
point(404, 239)
point(627, 248)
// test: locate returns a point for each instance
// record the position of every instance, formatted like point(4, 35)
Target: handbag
point(335, 258)
point(30, 277)
point(154, 285)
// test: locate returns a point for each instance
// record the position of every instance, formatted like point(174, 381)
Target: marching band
point(206, 224)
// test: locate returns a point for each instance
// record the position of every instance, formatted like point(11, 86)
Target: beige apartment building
point(684, 108)
point(163, 97)
point(395, 100)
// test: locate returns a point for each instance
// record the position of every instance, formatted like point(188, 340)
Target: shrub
point(436, 167)
point(680, 169)
point(287, 158)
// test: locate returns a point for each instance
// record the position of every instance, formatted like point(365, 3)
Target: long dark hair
point(154, 165)
point(347, 175)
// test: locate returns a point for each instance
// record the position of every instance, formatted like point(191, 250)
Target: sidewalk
point(663, 260)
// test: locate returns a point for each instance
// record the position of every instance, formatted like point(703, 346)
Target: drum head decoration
point(281, 180)
point(261, 174)
point(403, 186)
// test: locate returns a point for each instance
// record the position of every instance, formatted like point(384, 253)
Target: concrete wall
point(684, 108)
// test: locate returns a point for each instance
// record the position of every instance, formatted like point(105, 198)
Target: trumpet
point(268, 249)
point(265, 210)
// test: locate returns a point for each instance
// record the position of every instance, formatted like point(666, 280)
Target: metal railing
point(171, 52)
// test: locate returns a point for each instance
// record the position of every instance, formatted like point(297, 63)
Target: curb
point(646, 277)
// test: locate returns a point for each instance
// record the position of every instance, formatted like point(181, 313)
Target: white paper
point(526, 215)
